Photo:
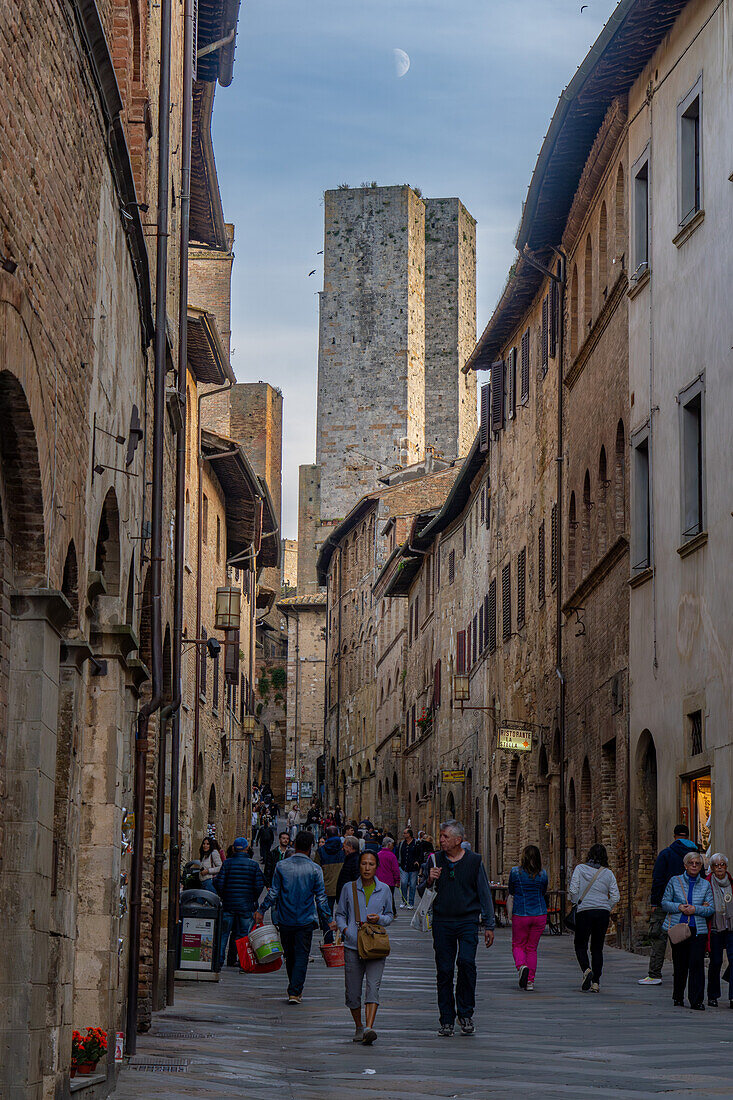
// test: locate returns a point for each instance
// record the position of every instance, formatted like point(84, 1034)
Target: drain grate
point(185, 1035)
point(173, 1065)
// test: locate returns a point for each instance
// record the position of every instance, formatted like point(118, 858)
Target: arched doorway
point(645, 838)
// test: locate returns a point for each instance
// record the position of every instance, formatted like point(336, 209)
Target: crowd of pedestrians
point(348, 878)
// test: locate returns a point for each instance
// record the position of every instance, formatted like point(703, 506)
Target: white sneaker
point(410, 906)
point(530, 986)
point(402, 905)
point(649, 981)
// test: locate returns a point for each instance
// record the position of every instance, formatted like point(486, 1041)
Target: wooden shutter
point(215, 696)
point(541, 562)
point(438, 556)
point(554, 313)
point(511, 384)
point(545, 331)
point(497, 395)
point(451, 567)
point(484, 426)
point(231, 657)
point(409, 625)
point(204, 654)
point(475, 638)
point(461, 652)
point(485, 641)
point(436, 685)
point(483, 504)
point(492, 615)
point(525, 368)
point(553, 546)
point(506, 602)
point(521, 586)
point(481, 628)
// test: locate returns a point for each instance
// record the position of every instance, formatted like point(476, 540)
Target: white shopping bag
point(423, 918)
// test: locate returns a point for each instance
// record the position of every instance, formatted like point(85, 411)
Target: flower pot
point(85, 1068)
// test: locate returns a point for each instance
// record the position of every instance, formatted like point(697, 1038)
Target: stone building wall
point(310, 532)
point(306, 616)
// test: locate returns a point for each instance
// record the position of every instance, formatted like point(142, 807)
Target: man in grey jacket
point(299, 892)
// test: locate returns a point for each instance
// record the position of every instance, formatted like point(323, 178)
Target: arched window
point(619, 478)
point(588, 286)
point(620, 226)
point(574, 312)
point(585, 546)
point(603, 252)
point(602, 501)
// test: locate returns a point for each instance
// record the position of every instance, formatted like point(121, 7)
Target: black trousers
point(591, 924)
point(688, 961)
point(719, 942)
point(451, 939)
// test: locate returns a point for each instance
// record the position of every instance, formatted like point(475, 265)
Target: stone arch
point(572, 826)
point(619, 479)
point(21, 494)
point(644, 825)
point(70, 582)
point(588, 287)
point(211, 812)
point(130, 597)
point(620, 213)
point(602, 518)
point(603, 251)
point(107, 546)
point(574, 312)
point(586, 808)
point(585, 531)
point(497, 840)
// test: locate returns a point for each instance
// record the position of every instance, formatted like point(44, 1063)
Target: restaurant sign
point(454, 777)
point(514, 737)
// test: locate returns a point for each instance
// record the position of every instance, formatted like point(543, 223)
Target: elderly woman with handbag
point(721, 926)
point(688, 903)
point(364, 908)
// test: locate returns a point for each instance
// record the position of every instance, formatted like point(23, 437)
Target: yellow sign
point(515, 738)
point(454, 777)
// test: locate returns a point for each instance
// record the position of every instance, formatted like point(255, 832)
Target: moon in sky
point(401, 62)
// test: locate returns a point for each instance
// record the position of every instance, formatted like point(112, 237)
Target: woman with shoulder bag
point(528, 890)
point(593, 892)
point(363, 909)
point(688, 902)
point(721, 926)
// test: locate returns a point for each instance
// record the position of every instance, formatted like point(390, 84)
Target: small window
point(205, 519)
point(692, 459)
point(641, 531)
point(689, 191)
point(492, 615)
point(694, 724)
point(451, 566)
point(640, 234)
point(545, 333)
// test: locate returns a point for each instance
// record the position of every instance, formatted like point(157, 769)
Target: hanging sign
point(454, 777)
point(514, 737)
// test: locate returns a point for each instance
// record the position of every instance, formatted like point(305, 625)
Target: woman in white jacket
point(593, 888)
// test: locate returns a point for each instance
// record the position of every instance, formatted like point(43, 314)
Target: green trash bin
point(199, 931)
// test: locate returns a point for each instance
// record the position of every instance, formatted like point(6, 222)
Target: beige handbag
point(679, 932)
point(372, 941)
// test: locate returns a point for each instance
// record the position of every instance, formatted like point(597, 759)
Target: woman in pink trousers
point(528, 888)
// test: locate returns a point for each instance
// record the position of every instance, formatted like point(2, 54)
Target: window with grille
point(541, 562)
point(521, 585)
point(695, 723)
point(451, 567)
point(524, 370)
point(492, 615)
point(553, 546)
point(506, 602)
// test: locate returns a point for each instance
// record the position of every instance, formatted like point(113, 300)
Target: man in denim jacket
point(299, 892)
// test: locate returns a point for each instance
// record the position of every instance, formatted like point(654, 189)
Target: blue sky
point(316, 102)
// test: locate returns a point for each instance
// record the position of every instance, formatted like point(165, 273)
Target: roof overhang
point(207, 357)
point(207, 216)
point(619, 54)
point(360, 509)
point(216, 40)
point(248, 506)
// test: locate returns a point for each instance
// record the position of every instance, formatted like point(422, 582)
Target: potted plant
point(87, 1050)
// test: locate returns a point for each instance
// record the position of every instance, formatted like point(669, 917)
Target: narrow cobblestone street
point(240, 1039)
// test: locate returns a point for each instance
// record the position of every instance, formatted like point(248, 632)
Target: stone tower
point(397, 322)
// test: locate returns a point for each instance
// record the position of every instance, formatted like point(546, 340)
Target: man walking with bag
point(462, 897)
point(298, 891)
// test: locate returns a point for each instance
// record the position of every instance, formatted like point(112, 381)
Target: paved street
point(240, 1039)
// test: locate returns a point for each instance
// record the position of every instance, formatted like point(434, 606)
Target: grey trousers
point(658, 938)
point(355, 971)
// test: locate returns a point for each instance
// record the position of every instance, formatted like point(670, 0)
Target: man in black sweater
point(462, 897)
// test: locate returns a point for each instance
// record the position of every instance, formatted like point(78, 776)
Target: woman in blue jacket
point(528, 887)
point(373, 905)
point(688, 899)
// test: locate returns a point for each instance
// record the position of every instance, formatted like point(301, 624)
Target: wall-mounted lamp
point(228, 608)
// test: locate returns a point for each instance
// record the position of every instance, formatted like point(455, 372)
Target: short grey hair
point(351, 842)
point(388, 842)
point(691, 855)
point(454, 827)
point(718, 857)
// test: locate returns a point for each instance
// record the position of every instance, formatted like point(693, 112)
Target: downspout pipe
point(174, 867)
point(156, 548)
point(199, 570)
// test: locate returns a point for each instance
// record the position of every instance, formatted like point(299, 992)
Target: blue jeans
point(237, 923)
point(719, 942)
point(408, 885)
point(296, 941)
point(449, 938)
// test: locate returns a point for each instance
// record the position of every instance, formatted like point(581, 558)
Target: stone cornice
point(42, 603)
point(599, 571)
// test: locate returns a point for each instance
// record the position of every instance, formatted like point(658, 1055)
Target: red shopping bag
point(248, 961)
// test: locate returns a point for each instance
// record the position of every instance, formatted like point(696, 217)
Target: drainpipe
point(174, 863)
point(326, 703)
point(558, 598)
point(199, 544)
point(338, 686)
point(295, 723)
point(156, 548)
point(252, 643)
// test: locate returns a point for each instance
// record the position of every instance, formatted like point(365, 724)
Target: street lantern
point(249, 724)
point(396, 742)
point(228, 608)
point(461, 689)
